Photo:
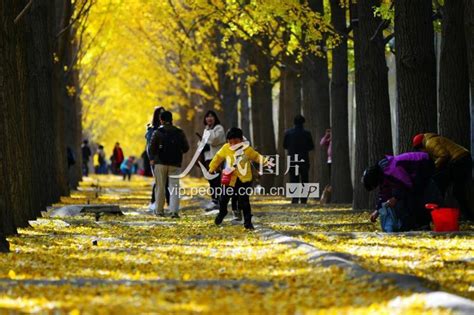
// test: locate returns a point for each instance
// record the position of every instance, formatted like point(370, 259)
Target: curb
point(317, 257)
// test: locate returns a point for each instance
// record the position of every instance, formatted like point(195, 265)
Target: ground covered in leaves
point(138, 263)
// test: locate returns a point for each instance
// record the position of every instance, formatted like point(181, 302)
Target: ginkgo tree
point(179, 54)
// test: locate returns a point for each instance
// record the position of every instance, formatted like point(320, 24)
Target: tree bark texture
point(360, 195)
point(40, 102)
point(262, 107)
point(454, 103)
point(16, 189)
point(374, 72)
point(316, 104)
point(416, 70)
point(227, 85)
point(341, 170)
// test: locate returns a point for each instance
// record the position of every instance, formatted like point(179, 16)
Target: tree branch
point(383, 25)
point(23, 12)
point(83, 11)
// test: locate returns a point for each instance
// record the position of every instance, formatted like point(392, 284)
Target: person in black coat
point(298, 141)
point(86, 155)
point(167, 146)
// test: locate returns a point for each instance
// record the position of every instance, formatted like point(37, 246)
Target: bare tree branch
point(82, 12)
point(23, 12)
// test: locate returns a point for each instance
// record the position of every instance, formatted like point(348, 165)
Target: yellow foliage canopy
point(146, 53)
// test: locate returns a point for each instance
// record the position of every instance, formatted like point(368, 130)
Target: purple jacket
point(403, 174)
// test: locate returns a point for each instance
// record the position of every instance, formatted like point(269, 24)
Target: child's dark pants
point(241, 192)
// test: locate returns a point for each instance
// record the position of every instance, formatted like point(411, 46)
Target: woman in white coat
point(215, 141)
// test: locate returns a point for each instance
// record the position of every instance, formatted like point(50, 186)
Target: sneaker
point(237, 215)
point(219, 219)
point(152, 206)
point(175, 216)
point(160, 214)
point(211, 206)
point(249, 226)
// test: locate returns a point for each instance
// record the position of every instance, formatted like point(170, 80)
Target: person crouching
point(405, 186)
point(237, 177)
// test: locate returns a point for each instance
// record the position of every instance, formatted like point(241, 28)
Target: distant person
point(326, 142)
point(101, 160)
point(453, 167)
point(128, 168)
point(405, 186)
point(168, 144)
point(71, 157)
point(239, 174)
point(298, 141)
point(150, 129)
point(215, 141)
point(117, 158)
point(86, 155)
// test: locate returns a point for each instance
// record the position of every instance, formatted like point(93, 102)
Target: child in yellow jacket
point(238, 155)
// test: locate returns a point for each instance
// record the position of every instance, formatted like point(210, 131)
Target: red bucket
point(444, 219)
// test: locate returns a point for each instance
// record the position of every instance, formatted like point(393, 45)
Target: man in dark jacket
point(298, 141)
point(167, 146)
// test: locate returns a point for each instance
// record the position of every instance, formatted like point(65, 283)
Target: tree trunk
point(360, 195)
point(72, 111)
point(188, 115)
point(454, 103)
point(8, 97)
point(227, 84)
point(416, 69)
point(262, 110)
point(64, 11)
point(40, 100)
point(16, 133)
point(289, 93)
point(316, 105)
point(341, 170)
point(288, 108)
point(469, 33)
point(374, 72)
point(244, 93)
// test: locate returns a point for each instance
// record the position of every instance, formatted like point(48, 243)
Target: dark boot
point(248, 221)
point(220, 217)
point(249, 226)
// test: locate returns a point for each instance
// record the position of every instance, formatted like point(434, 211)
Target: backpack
point(149, 133)
point(170, 146)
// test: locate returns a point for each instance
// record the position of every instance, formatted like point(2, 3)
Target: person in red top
point(117, 158)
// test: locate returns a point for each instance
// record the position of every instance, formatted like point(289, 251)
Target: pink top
point(326, 141)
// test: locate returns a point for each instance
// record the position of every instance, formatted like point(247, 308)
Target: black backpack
point(170, 146)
